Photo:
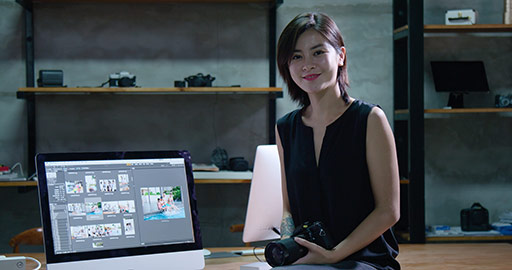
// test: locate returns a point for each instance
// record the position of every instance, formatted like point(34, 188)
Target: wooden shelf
point(443, 239)
point(222, 177)
point(18, 184)
point(462, 110)
point(148, 1)
point(146, 90)
point(399, 30)
point(469, 110)
point(466, 238)
point(441, 28)
point(475, 28)
point(197, 181)
point(222, 181)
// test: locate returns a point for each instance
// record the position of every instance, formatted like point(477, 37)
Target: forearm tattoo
point(287, 227)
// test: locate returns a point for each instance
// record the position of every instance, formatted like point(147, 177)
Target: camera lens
point(278, 255)
point(284, 252)
point(504, 102)
point(275, 254)
point(126, 82)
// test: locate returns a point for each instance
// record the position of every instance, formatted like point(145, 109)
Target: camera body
point(200, 80)
point(475, 218)
point(121, 79)
point(287, 251)
point(50, 78)
point(238, 164)
point(503, 101)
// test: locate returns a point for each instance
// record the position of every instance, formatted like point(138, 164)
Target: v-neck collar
point(301, 112)
point(311, 137)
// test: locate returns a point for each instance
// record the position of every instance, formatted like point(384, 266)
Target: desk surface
point(231, 263)
point(495, 256)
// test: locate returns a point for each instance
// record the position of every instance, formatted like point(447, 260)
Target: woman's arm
point(384, 179)
point(287, 226)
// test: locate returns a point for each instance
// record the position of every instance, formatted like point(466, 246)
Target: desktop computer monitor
point(265, 206)
point(458, 78)
point(119, 210)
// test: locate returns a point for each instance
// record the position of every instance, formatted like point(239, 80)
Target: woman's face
point(314, 64)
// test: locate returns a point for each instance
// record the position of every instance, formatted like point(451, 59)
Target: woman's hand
point(316, 254)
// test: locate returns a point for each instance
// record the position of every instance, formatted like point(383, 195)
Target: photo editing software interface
point(115, 204)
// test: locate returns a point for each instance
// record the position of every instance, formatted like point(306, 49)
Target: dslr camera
point(475, 218)
point(121, 79)
point(503, 101)
point(287, 251)
point(200, 80)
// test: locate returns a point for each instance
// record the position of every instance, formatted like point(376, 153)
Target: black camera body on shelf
point(50, 78)
point(503, 101)
point(287, 251)
point(121, 79)
point(238, 164)
point(200, 80)
point(475, 218)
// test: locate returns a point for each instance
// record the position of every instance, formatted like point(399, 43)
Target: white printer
point(460, 17)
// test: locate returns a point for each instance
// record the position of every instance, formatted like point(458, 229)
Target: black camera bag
point(475, 218)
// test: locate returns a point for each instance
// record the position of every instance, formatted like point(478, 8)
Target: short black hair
point(324, 25)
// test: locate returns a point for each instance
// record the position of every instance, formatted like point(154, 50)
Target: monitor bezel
point(51, 257)
point(479, 71)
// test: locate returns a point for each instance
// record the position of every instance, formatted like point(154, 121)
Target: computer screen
point(459, 76)
point(101, 206)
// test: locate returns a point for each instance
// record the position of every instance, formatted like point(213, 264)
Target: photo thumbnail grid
point(92, 184)
point(99, 231)
point(94, 207)
point(96, 231)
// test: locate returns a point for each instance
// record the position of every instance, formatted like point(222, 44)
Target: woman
point(337, 154)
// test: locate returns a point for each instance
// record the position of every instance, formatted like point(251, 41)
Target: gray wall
point(161, 43)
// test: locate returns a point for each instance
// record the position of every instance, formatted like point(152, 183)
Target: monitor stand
point(456, 100)
point(256, 266)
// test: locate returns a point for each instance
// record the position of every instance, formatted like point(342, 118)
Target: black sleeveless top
point(337, 191)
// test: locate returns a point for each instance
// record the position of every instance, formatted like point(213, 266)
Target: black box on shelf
point(50, 78)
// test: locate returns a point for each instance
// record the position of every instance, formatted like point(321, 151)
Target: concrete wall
point(19, 207)
point(12, 75)
point(161, 43)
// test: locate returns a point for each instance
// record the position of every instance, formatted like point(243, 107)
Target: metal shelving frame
point(408, 95)
point(28, 7)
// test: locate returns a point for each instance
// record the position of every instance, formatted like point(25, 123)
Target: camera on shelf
point(200, 80)
point(503, 101)
point(238, 164)
point(475, 218)
point(287, 251)
point(121, 79)
point(50, 78)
